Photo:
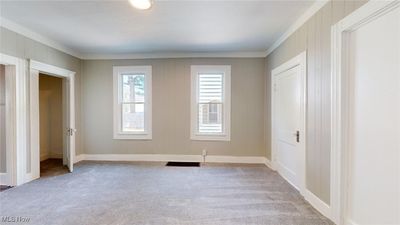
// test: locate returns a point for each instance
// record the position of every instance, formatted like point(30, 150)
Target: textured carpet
point(149, 193)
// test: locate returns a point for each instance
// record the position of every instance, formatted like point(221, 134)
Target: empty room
point(200, 112)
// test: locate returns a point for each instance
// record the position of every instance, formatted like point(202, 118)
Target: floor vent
point(184, 164)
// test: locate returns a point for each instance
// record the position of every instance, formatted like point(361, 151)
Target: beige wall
point(20, 46)
point(314, 37)
point(171, 108)
point(3, 153)
point(51, 117)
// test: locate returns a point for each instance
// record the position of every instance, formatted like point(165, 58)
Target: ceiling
point(101, 27)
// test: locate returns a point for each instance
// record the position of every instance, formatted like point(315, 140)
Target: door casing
point(340, 152)
point(15, 120)
point(68, 76)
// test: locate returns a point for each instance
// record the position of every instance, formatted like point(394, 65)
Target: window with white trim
point(210, 103)
point(132, 102)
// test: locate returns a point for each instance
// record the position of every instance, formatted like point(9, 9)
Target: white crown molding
point(255, 54)
point(296, 25)
point(37, 37)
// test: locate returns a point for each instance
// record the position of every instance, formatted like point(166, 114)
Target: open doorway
point(52, 120)
point(51, 126)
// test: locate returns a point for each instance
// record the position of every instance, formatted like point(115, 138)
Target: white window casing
point(132, 102)
point(210, 102)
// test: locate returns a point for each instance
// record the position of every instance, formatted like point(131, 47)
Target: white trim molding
point(296, 25)
point(68, 76)
point(171, 157)
point(340, 110)
point(195, 133)
point(10, 25)
point(176, 55)
point(16, 123)
point(268, 163)
point(50, 69)
point(301, 62)
point(318, 204)
point(118, 73)
point(79, 158)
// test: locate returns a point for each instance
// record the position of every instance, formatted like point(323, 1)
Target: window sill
point(132, 136)
point(198, 137)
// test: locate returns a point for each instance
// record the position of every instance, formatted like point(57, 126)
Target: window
point(132, 102)
point(210, 103)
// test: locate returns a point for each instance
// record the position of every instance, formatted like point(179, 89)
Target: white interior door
point(374, 122)
point(69, 122)
point(287, 106)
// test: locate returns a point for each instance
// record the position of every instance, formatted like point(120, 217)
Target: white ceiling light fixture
point(141, 4)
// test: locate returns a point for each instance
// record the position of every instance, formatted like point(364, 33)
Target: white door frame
point(16, 138)
point(340, 153)
point(36, 67)
point(301, 61)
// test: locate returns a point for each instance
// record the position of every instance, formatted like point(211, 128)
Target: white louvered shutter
point(210, 103)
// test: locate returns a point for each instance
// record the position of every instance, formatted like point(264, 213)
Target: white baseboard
point(235, 159)
point(79, 158)
point(350, 222)
point(268, 163)
point(165, 158)
point(318, 204)
point(29, 177)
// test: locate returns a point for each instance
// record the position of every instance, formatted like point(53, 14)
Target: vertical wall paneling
point(17, 45)
point(311, 170)
point(315, 34)
point(325, 101)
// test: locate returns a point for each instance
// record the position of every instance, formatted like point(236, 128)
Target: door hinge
point(70, 131)
point(298, 136)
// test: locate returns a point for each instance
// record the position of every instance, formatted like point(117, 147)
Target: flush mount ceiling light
point(141, 4)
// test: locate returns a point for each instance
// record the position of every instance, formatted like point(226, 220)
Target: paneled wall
point(17, 45)
point(171, 108)
point(313, 37)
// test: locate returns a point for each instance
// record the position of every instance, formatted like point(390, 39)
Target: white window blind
point(210, 103)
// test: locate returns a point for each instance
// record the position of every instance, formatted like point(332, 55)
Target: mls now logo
point(15, 219)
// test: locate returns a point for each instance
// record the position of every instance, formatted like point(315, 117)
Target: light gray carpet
point(108, 193)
